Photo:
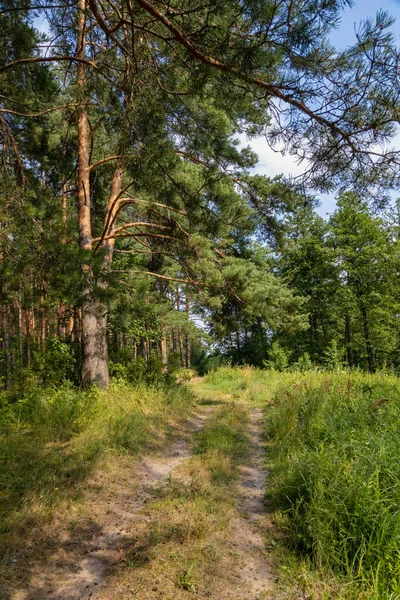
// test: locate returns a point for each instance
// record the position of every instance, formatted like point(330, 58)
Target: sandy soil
point(254, 576)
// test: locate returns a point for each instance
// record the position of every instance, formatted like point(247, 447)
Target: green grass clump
point(335, 455)
point(245, 384)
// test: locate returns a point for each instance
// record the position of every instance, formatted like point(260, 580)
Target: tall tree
point(367, 256)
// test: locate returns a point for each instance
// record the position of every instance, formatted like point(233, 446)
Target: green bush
point(278, 358)
point(304, 363)
point(56, 364)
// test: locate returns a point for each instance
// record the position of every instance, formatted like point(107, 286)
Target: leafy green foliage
point(278, 358)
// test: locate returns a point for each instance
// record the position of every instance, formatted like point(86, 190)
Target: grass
point(243, 384)
point(335, 485)
point(52, 441)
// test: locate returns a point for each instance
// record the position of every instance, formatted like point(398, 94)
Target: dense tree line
point(127, 203)
point(347, 271)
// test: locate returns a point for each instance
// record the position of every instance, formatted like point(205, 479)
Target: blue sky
point(272, 163)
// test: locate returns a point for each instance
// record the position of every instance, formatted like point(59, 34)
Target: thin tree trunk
point(349, 342)
point(70, 323)
point(145, 352)
point(367, 338)
point(164, 354)
point(6, 342)
point(61, 321)
point(187, 337)
point(181, 351)
point(42, 339)
point(20, 337)
point(28, 338)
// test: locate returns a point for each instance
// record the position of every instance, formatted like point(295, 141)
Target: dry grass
point(59, 447)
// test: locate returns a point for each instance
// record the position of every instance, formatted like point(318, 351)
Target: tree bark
point(187, 337)
point(94, 314)
point(164, 354)
point(6, 342)
point(94, 338)
point(367, 338)
point(349, 342)
point(28, 338)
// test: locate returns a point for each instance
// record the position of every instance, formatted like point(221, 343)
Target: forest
point(154, 285)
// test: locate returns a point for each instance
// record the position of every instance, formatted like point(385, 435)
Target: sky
point(272, 163)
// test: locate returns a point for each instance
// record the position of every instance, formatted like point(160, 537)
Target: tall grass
point(335, 454)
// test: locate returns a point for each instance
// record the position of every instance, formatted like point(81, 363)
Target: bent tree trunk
point(95, 355)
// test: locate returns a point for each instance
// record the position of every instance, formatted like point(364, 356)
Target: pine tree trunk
point(70, 323)
point(94, 315)
point(187, 337)
point(6, 342)
point(164, 354)
point(94, 337)
point(20, 337)
point(28, 338)
point(42, 339)
point(367, 338)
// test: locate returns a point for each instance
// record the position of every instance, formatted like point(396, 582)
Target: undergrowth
point(334, 485)
point(244, 384)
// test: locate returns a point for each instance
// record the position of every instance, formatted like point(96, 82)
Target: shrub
point(278, 359)
point(304, 363)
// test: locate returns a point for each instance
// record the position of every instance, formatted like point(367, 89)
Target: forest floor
point(182, 522)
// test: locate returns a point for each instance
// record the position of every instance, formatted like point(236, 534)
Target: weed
point(185, 579)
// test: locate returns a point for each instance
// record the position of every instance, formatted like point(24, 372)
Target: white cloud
point(272, 163)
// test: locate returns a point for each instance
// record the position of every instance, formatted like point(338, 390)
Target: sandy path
point(254, 577)
point(82, 558)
